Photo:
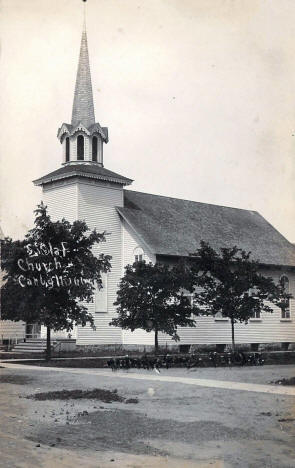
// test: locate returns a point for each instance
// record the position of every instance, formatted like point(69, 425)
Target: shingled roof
point(90, 171)
point(83, 107)
point(171, 226)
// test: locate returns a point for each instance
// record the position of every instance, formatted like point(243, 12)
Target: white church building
point(154, 228)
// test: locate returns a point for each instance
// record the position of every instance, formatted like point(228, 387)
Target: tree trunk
point(48, 345)
point(156, 341)
point(233, 334)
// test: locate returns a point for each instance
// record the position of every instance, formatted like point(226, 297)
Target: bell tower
point(82, 140)
point(83, 189)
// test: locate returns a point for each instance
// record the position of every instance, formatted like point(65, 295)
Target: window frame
point(94, 146)
point(138, 254)
point(220, 318)
point(67, 149)
point(256, 318)
point(286, 313)
point(79, 148)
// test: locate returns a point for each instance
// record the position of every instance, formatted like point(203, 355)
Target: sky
point(198, 96)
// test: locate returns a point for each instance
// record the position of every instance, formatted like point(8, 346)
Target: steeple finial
point(84, 15)
point(83, 108)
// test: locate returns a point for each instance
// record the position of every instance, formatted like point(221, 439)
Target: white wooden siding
point(62, 201)
point(11, 330)
point(58, 334)
point(101, 296)
point(130, 242)
point(96, 205)
point(270, 329)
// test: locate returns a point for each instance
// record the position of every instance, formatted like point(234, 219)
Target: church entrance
point(33, 330)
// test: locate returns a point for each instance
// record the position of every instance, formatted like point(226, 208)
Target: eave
point(54, 178)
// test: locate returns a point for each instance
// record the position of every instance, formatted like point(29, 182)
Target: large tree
point(51, 274)
point(151, 297)
point(232, 285)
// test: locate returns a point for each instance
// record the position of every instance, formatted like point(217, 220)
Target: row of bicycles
point(190, 361)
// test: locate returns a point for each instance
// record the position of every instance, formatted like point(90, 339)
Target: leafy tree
point(51, 273)
point(150, 298)
point(232, 285)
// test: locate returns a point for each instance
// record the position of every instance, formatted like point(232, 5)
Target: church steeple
point(83, 139)
point(83, 108)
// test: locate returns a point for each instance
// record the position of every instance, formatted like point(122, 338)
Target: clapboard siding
point(130, 242)
point(209, 331)
point(62, 201)
point(270, 329)
point(96, 205)
point(11, 330)
point(59, 333)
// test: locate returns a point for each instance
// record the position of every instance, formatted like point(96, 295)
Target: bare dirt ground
point(173, 424)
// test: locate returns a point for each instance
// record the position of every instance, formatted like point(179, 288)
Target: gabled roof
point(68, 129)
point(90, 171)
point(171, 226)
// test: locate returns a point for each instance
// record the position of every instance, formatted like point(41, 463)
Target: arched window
point(138, 254)
point(80, 148)
point(284, 280)
point(94, 149)
point(67, 149)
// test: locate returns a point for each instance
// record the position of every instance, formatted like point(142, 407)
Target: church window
point(67, 149)
point(285, 311)
point(101, 296)
point(190, 298)
point(138, 254)
point(256, 315)
point(80, 148)
point(94, 149)
point(219, 316)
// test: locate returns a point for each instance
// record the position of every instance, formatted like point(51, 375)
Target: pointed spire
point(83, 108)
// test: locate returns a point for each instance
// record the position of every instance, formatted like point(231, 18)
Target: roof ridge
point(193, 201)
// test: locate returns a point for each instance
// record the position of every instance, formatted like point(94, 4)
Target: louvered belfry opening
point(94, 149)
point(80, 148)
point(67, 149)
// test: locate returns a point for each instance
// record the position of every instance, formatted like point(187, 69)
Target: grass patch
point(107, 396)
point(15, 379)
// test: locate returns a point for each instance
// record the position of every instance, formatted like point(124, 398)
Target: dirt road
point(173, 424)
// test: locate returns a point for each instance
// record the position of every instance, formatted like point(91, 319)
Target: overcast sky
point(198, 96)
